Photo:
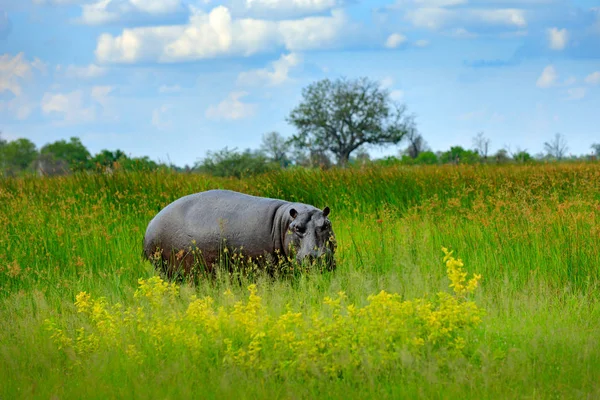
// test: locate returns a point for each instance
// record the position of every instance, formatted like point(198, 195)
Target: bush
point(458, 155)
point(427, 157)
point(523, 157)
point(231, 163)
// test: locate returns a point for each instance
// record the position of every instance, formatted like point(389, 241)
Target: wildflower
point(458, 276)
point(329, 342)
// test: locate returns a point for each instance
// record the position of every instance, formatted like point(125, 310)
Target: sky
point(173, 79)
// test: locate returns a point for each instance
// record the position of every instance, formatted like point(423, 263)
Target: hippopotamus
point(257, 228)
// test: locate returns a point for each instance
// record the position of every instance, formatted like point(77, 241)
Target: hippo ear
point(293, 213)
point(326, 211)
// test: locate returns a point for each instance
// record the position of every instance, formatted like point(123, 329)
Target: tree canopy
point(17, 155)
point(342, 115)
point(226, 162)
point(459, 155)
point(73, 152)
point(275, 147)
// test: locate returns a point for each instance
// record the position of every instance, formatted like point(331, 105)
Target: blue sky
point(172, 79)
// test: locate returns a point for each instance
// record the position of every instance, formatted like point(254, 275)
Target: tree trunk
point(343, 159)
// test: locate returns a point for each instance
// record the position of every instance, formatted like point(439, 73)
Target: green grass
point(533, 232)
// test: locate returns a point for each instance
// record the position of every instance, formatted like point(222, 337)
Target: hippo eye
point(301, 229)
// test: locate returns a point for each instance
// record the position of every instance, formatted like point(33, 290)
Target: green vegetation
point(72, 153)
point(21, 157)
point(16, 156)
point(237, 164)
point(531, 231)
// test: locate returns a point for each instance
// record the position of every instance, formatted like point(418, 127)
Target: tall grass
point(533, 232)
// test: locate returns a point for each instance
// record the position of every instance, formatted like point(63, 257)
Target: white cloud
point(59, 2)
point(386, 82)
point(69, 105)
point(105, 11)
point(76, 106)
point(169, 89)
point(577, 93)
point(462, 33)
point(508, 16)
point(232, 108)
point(436, 15)
point(422, 43)
point(395, 40)
point(547, 78)
point(156, 6)
point(430, 18)
point(439, 3)
point(593, 78)
point(570, 81)
point(127, 48)
point(97, 13)
point(158, 119)
point(100, 94)
point(214, 34)
point(291, 5)
point(87, 72)
point(40, 65)
point(276, 75)
point(13, 71)
point(19, 107)
point(396, 95)
point(312, 32)
point(558, 38)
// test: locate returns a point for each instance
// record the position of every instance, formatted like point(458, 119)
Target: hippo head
point(312, 236)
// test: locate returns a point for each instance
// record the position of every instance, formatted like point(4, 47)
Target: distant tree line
point(63, 157)
point(336, 122)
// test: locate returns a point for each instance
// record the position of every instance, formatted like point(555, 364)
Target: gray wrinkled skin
point(254, 226)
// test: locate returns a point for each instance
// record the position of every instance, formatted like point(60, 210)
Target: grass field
point(531, 329)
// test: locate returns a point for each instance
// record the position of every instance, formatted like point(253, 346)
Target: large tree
point(342, 115)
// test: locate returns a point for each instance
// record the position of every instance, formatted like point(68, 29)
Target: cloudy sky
point(172, 79)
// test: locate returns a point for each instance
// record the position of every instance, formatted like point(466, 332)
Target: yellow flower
point(329, 341)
